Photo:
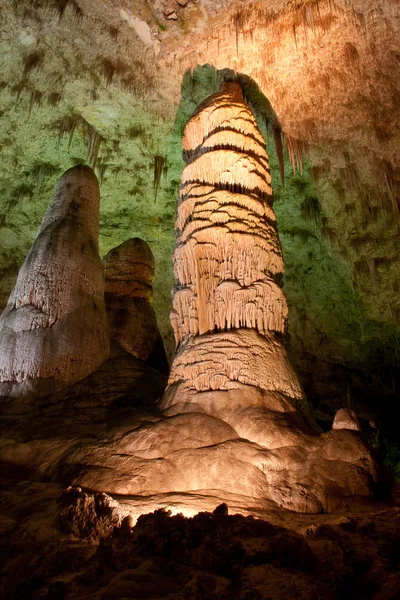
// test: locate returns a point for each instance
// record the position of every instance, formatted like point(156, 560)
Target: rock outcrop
point(54, 329)
point(129, 273)
point(346, 419)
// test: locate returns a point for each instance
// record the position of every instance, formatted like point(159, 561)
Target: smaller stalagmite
point(53, 331)
point(346, 419)
point(129, 273)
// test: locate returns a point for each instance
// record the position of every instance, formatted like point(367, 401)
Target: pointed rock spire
point(53, 330)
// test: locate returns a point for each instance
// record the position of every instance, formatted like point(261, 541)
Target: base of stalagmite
point(197, 453)
point(106, 434)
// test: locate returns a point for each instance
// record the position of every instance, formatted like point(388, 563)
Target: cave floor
point(54, 550)
point(351, 553)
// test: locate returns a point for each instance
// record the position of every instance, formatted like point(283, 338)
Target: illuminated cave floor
point(353, 553)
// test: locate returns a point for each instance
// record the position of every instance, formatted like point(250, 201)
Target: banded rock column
point(53, 331)
point(229, 313)
point(228, 262)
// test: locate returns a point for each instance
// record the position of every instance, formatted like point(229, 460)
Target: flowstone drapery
point(228, 260)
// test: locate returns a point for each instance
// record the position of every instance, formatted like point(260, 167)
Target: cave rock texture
point(235, 423)
point(129, 273)
point(54, 330)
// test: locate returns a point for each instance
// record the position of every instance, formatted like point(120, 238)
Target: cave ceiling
point(112, 83)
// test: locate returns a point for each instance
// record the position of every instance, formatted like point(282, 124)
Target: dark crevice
point(193, 155)
point(237, 188)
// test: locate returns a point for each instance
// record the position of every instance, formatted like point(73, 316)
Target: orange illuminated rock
point(346, 419)
point(228, 261)
point(228, 258)
point(53, 331)
point(228, 315)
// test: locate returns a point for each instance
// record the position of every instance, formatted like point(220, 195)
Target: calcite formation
point(54, 329)
point(129, 273)
point(235, 424)
point(228, 261)
point(229, 316)
point(346, 419)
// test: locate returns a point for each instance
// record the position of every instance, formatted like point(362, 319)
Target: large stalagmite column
point(54, 329)
point(234, 425)
point(229, 308)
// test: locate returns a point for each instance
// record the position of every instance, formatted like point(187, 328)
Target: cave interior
point(141, 464)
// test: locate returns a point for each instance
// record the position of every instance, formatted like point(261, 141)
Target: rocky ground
point(71, 545)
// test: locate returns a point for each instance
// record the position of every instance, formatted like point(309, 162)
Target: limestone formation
point(228, 262)
point(54, 331)
point(233, 425)
point(229, 313)
point(228, 258)
point(346, 419)
point(129, 273)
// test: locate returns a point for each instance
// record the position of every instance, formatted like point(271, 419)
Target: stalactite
point(101, 171)
point(78, 11)
point(94, 141)
point(295, 151)
point(108, 70)
point(279, 152)
point(311, 209)
point(158, 169)
point(54, 99)
point(32, 61)
point(58, 5)
point(67, 126)
point(35, 100)
point(372, 270)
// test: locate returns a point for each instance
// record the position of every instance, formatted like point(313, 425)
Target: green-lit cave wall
point(344, 356)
